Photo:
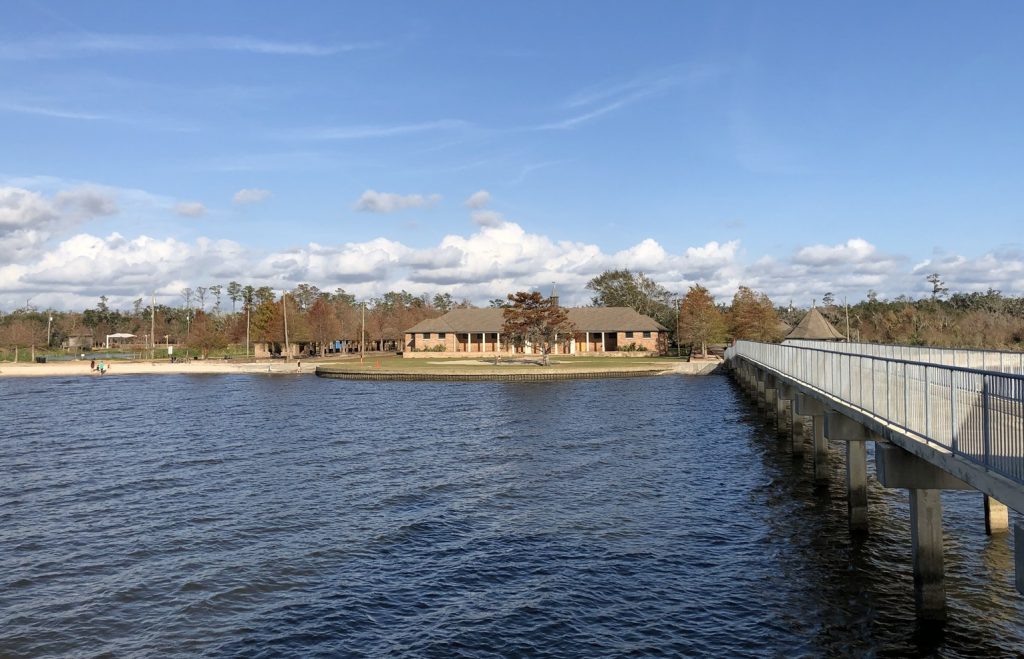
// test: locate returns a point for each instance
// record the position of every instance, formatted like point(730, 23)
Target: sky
point(478, 149)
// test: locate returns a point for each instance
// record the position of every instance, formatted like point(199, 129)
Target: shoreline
point(433, 371)
point(146, 367)
point(509, 372)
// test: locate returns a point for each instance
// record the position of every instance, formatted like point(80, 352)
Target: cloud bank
point(489, 262)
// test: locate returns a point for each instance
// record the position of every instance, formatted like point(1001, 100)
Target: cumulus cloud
point(490, 261)
point(372, 201)
point(478, 199)
point(251, 196)
point(855, 250)
point(81, 268)
point(487, 218)
point(28, 219)
point(21, 209)
point(87, 202)
point(190, 209)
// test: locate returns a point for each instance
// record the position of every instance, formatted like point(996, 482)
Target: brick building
point(478, 331)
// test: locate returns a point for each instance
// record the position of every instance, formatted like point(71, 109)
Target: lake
point(269, 516)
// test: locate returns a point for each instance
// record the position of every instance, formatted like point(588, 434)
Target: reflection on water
point(235, 515)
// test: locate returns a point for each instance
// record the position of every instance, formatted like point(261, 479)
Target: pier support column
point(926, 543)
point(802, 429)
point(819, 448)
point(844, 429)
point(997, 516)
point(857, 486)
point(759, 395)
point(784, 410)
point(771, 393)
point(812, 408)
point(898, 468)
point(1018, 555)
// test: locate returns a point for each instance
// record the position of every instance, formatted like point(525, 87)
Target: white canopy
point(119, 335)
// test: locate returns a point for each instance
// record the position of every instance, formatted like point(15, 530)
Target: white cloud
point(28, 219)
point(364, 132)
point(68, 45)
point(190, 209)
point(87, 201)
point(855, 250)
point(372, 201)
point(251, 196)
point(490, 261)
point(487, 218)
point(478, 199)
point(20, 209)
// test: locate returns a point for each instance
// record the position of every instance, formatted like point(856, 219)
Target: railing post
point(985, 439)
point(953, 434)
point(927, 407)
point(888, 391)
point(906, 398)
point(874, 410)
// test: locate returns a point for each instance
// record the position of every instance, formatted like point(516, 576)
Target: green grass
point(395, 364)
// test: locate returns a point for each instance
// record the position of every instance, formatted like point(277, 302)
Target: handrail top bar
point(963, 369)
point(983, 351)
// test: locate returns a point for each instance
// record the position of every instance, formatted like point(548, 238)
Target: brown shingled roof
point(586, 319)
point(814, 327)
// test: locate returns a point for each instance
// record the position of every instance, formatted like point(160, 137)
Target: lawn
point(395, 364)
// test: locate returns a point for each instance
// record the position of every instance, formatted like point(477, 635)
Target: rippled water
point(267, 516)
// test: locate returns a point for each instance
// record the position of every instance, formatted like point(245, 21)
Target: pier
point(939, 420)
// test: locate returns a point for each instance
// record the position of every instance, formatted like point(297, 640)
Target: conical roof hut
point(814, 327)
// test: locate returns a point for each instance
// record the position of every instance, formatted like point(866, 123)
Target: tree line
point(988, 320)
point(216, 317)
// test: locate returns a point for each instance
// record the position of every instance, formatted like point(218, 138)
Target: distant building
point(814, 327)
point(478, 331)
point(78, 342)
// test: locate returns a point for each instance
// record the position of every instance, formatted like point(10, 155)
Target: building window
point(426, 335)
point(647, 335)
point(440, 335)
point(629, 335)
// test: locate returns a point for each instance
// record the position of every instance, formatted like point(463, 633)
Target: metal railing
point(1001, 361)
point(976, 414)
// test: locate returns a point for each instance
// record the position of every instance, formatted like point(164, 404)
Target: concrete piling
point(926, 544)
point(810, 407)
point(997, 516)
point(1018, 555)
point(900, 462)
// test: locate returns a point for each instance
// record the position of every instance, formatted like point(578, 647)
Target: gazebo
point(814, 327)
point(119, 336)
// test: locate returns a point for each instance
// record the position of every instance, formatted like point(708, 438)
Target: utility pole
point(152, 328)
point(362, 337)
point(847, 305)
point(48, 323)
point(284, 308)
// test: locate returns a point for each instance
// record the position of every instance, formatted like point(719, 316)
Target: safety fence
point(977, 414)
point(1001, 361)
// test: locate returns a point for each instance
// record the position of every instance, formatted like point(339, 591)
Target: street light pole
point(152, 328)
point(284, 310)
point(362, 337)
point(48, 323)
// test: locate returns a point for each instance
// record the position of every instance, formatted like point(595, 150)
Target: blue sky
point(796, 147)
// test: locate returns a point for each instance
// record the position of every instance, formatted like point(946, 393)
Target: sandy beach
point(143, 367)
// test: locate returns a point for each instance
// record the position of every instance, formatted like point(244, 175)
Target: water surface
point(268, 516)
